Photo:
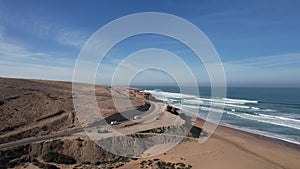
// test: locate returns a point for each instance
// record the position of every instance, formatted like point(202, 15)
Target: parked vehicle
point(114, 122)
point(136, 117)
point(102, 130)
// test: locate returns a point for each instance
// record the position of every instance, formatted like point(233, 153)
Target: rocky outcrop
point(185, 131)
point(80, 150)
point(1, 102)
point(52, 115)
point(134, 145)
point(12, 98)
point(14, 156)
point(172, 110)
point(144, 107)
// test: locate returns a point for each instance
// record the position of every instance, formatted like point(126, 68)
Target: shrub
point(79, 139)
point(50, 166)
point(58, 158)
point(98, 163)
point(56, 145)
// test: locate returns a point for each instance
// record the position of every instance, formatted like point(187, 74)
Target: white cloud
point(18, 61)
point(34, 71)
point(60, 33)
point(9, 49)
point(46, 28)
point(71, 38)
point(277, 70)
point(270, 61)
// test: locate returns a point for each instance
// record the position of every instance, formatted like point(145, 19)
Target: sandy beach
point(226, 149)
point(232, 149)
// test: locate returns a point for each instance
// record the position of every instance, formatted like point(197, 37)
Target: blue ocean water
point(272, 112)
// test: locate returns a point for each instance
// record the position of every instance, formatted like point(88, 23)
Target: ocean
point(272, 112)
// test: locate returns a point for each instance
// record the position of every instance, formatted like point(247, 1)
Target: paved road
point(128, 127)
point(56, 135)
point(36, 139)
point(127, 116)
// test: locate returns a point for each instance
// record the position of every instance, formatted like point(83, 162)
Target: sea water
point(272, 112)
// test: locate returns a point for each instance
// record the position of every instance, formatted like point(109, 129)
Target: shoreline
point(246, 130)
point(232, 148)
point(229, 148)
point(261, 136)
point(258, 136)
point(275, 151)
point(269, 138)
point(251, 148)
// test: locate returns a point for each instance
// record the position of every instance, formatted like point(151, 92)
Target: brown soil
point(36, 107)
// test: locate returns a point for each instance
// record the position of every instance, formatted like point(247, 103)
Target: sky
point(257, 41)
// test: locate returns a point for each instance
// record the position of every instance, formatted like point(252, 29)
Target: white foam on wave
point(201, 108)
point(227, 101)
point(267, 110)
point(192, 104)
point(276, 120)
point(162, 94)
point(255, 108)
point(232, 105)
point(212, 109)
point(171, 100)
point(196, 101)
point(281, 118)
point(156, 93)
point(240, 100)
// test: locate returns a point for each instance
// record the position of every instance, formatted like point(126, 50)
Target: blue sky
point(257, 41)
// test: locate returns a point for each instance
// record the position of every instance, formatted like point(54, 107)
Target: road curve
point(52, 136)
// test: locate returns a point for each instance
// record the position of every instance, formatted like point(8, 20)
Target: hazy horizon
point(174, 85)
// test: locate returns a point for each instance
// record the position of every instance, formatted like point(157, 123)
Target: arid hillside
point(35, 107)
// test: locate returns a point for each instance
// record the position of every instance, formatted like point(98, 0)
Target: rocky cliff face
point(83, 150)
point(79, 149)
